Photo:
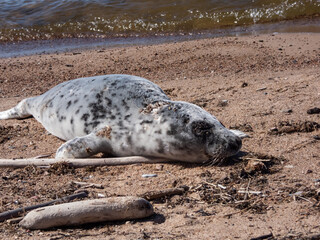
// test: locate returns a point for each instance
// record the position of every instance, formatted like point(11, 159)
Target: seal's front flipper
point(18, 112)
point(86, 146)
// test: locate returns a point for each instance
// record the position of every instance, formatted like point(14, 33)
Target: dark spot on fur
point(173, 129)
point(179, 145)
point(160, 145)
point(61, 96)
point(112, 117)
point(126, 117)
point(113, 94)
point(158, 131)
point(69, 104)
point(129, 140)
point(75, 101)
point(141, 150)
point(85, 117)
point(124, 103)
point(186, 118)
point(78, 110)
point(109, 101)
point(99, 96)
point(146, 121)
point(61, 118)
point(120, 123)
point(95, 124)
point(71, 120)
point(98, 110)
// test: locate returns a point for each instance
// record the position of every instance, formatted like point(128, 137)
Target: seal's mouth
point(218, 158)
point(221, 154)
point(215, 161)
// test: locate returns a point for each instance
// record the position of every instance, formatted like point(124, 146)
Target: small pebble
point(223, 103)
point(287, 111)
point(288, 166)
point(100, 195)
point(313, 110)
point(244, 84)
point(316, 137)
point(296, 193)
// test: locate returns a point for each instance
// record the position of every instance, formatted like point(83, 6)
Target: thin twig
point(16, 212)
point(247, 190)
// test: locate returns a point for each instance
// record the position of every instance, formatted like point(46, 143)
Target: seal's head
point(196, 135)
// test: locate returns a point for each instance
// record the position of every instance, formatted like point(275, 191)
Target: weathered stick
point(262, 237)
point(20, 163)
point(16, 212)
point(151, 195)
point(89, 211)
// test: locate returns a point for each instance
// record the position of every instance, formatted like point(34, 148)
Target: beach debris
point(100, 195)
point(88, 211)
point(78, 162)
point(254, 166)
point(250, 192)
point(314, 110)
point(292, 126)
point(288, 166)
point(261, 89)
point(149, 175)
point(151, 195)
point(223, 103)
point(86, 185)
point(16, 212)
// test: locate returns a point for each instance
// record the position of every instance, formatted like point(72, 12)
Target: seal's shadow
point(234, 160)
point(156, 218)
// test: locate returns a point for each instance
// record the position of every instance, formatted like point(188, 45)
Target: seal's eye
point(201, 128)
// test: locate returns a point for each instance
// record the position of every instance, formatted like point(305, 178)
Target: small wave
point(30, 20)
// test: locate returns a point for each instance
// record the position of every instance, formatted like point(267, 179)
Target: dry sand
point(269, 81)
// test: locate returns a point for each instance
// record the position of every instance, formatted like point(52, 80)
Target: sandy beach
point(263, 85)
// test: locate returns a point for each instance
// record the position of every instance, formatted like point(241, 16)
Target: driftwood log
point(89, 211)
point(77, 163)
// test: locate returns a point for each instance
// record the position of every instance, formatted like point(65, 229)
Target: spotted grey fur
point(123, 115)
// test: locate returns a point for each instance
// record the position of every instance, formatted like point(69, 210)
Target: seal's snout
point(234, 145)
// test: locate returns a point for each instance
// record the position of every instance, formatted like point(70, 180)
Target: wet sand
point(269, 81)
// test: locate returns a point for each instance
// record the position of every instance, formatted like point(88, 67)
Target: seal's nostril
point(235, 144)
point(239, 141)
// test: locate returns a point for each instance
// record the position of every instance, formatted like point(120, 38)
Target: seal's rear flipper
point(18, 112)
point(239, 133)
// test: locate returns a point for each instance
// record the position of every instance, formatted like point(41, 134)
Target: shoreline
point(27, 48)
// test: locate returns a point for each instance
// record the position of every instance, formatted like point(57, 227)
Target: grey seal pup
point(124, 115)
